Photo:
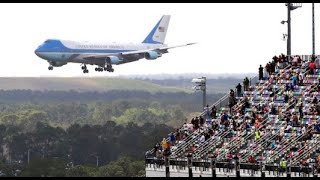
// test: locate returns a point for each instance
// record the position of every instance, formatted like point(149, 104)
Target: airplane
point(60, 52)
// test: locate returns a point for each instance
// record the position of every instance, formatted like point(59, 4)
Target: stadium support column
point(314, 170)
point(190, 166)
point(313, 40)
point(166, 162)
point(213, 167)
point(261, 170)
point(237, 167)
point(291, 6)
point(204, 92)
point(289, 30)
point(288, 169)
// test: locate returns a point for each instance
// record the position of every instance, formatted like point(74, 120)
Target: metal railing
point(314, 147)
point(280, 152)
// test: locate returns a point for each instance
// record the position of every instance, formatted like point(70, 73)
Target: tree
point(123, 167)
point(45, 167)
point(82, 171)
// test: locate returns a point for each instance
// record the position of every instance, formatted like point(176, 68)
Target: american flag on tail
point(161, 29)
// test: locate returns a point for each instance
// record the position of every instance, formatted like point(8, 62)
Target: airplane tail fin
point(158, 33)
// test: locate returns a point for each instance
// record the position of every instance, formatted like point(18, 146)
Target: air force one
point(60, 52)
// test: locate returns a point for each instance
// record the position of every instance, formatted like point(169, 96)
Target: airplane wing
point(132, 55)
point(159, 50)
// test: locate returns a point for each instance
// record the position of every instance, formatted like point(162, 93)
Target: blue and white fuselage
point(104, 55)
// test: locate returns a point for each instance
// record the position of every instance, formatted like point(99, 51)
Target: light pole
point(291, 6)
point(97, 161)
point(313, 39)
point(28, 156)
point(201, 85)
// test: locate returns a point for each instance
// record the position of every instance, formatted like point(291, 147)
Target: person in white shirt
point(303, 130)
point(202, 139)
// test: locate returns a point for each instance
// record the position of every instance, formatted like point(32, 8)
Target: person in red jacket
point(312, 67)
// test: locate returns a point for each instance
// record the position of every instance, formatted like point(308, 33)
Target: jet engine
point(113, 59)
point(151, 55)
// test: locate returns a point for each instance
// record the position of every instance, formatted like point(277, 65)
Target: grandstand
point(273, 130)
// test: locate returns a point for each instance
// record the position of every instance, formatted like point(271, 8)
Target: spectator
point(214, 112)
point(202, 120)
point(185, 125)
point(159, 156)
point(273, 110)
point(225, 116)
point(260, 72)
point(257, 135)
point(294, 79)
point(318, 108)
point(312, 67)
point(164, 143)
point(295, 61)
point(156, 148)
point(286, 98)
point(207, 112)
point(231, 93)
point(239, 87)
point(317, 61)
point(172, 138)
point(232, 102)
point(315, 100)
point(246, 84)
point(317, 127)
point(283, 165)
point(196, 123)
point(300, 79)
point(252, 160)
point(202, 139)
point(272, 67)
point(268, 68)
point(193, 122)
point(178, 135)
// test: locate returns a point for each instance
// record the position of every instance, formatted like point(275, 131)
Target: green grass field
point(83, 84)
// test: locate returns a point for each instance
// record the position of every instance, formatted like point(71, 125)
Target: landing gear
point(50, 67)
point(109, 68)
point(84, 68)
point(86, 71)
point(99, 69)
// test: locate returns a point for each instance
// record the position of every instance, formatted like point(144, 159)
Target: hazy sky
point(232, 38)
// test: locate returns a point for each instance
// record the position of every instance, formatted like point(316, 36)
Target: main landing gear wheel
point(50, 68)
point(109, 68)
point(98, 69)
point(84, 68)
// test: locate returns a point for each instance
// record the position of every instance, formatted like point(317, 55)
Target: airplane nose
point(37, 52)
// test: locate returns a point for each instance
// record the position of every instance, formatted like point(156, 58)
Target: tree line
point(79, 150)
point(67, 133)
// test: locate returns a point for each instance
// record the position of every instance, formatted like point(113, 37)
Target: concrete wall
point(200, 171)
point(153, 170)
point(178, 171)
